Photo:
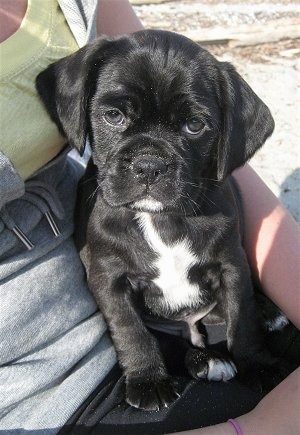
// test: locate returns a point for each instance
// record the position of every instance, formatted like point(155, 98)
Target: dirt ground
point(271, 68)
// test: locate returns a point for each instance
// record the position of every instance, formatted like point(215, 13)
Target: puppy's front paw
point(150, 395)
point(202, 364)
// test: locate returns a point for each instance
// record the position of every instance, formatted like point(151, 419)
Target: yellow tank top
point(27, 136)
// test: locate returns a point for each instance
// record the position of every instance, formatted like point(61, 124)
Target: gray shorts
point(54, 346)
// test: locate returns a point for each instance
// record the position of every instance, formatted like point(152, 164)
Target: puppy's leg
point(148, 385)
point(245, 336)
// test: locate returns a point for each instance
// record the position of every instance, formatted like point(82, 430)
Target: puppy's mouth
point(147, 204)
point(149, 183)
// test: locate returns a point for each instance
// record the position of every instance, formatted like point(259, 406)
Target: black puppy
point(160, 227)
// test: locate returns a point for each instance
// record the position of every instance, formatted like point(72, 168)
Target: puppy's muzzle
point(149, 169)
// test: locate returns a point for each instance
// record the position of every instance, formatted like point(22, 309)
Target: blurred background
point(262, 40)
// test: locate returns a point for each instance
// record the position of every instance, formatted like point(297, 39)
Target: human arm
point(277, 413)
point(272, 243)
point(116, 17)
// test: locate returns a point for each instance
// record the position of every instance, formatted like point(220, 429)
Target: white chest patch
point(173, 264)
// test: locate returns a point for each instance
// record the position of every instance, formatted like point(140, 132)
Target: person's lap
point(201, 403)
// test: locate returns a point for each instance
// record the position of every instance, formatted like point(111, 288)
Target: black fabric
point(201, 404)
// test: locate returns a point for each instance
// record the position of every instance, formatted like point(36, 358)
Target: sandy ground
point(272, 69)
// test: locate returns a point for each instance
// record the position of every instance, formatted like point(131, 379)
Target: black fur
point(159, 81)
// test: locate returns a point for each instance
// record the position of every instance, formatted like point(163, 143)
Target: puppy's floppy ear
point(247, 122)
point(65, 88)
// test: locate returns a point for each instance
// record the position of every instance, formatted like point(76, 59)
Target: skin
point(274, 415)
point(272, 243)
point(11, 15)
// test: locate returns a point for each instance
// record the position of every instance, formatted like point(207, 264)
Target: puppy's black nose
point(149, 169)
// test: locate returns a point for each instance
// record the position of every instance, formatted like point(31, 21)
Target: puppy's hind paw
point(151, 395)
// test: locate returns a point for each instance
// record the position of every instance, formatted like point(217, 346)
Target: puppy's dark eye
point(114, 117)
point(193, 126)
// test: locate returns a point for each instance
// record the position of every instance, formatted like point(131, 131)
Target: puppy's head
point(162, 115)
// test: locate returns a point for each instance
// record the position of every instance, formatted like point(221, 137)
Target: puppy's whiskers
point(195, 203)
point(183, 209)
point(207, 199)
point(192, 203)
point(215, 181)
point(93, 194)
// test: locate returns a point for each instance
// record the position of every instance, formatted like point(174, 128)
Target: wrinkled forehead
point(168, 71)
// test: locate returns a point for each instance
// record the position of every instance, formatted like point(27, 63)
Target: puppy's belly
point(173, 264)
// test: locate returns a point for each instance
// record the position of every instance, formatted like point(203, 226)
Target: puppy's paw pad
point(220, 370)
point(151, 395)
